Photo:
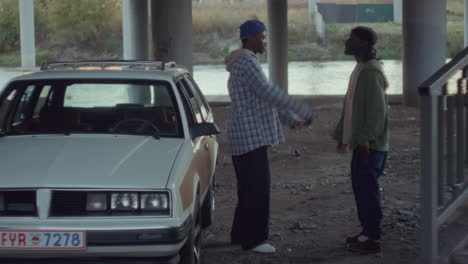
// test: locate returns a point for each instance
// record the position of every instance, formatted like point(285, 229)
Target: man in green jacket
point(363, 129)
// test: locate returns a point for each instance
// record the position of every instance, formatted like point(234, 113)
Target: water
point(305, 78)
point(6, 75)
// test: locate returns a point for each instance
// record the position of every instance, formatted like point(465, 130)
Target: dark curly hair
point(367, 34)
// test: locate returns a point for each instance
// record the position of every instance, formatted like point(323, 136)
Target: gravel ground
point(312, 205)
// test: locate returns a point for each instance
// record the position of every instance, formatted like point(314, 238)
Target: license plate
point(44, 239)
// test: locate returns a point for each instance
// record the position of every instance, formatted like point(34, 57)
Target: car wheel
point(190, 252)
point(208, 207)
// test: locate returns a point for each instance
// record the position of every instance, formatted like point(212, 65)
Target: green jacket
point(370, 110)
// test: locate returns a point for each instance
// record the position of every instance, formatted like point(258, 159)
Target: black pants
point(365, 173)
point(251, 219)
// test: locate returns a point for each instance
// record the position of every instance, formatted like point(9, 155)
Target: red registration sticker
point(44, 239)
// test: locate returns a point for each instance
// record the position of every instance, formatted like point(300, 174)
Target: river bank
point(304, 78)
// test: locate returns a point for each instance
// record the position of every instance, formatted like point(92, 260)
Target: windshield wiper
point(155, 132)
point(140, 130)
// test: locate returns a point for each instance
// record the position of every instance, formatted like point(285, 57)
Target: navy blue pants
point(251, 218)
point(365, 173)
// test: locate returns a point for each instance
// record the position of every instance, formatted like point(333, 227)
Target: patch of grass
point(455, 9)
point(44, 56)
point(10, 60)
point(223, 18)
point(307, 52)
point(301, 29)
point(14, 59)
point(114, 45)
point(455, 38)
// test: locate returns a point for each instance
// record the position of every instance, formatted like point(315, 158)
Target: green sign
point(374, 13)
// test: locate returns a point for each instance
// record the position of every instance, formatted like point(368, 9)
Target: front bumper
point(163, 236)
point(147, 242)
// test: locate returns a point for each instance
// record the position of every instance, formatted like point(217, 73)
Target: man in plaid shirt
point(257, 107)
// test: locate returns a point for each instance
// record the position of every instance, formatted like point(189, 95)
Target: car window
point(188, 109)
point(187, 91)
point(24, 105)
point(4, 106)
point(42, 100)
point(204, 107)
point(137, 108)
point(105, 95)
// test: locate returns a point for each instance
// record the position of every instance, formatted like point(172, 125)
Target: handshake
point(301, 124)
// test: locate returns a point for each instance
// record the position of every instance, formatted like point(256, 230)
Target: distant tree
point(84, 22)
point(9, 25)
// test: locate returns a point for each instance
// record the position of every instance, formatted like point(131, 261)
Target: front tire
point(208, 207)
point(190, 252)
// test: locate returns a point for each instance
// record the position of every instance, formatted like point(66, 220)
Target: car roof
point(116, 70)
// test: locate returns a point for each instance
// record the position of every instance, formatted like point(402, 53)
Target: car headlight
point(124, 201)
point(96, 202)
point(154, 201)
point(2, 202)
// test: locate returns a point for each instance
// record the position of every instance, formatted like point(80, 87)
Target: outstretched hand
point(341, 148)
point(364, 150)
point(301, 124)
point(308, 122)
point(296, 126)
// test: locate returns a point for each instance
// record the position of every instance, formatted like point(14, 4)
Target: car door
point(200, 162)
point(207, 116)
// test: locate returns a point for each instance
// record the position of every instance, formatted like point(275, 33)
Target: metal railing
point(444, 147)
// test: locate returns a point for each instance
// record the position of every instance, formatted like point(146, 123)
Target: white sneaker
point(264, 248)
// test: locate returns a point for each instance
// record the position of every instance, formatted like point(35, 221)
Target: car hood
point(86, 161)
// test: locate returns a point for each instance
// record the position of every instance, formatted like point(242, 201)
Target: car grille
point(19, 203)
point(68, 203)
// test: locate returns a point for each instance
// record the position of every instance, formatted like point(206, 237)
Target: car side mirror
point(204, 129)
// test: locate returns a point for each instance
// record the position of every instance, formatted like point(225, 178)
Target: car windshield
point(136, 108)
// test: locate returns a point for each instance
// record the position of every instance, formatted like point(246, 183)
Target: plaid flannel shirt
point(257, 107)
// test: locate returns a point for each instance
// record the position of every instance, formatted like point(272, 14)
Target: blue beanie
point(251, 28)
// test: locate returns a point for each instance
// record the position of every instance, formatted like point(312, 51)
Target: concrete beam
point(424, 51)
point(277, 44)
point(135, 29)
point(172, 31)
point(28, 40)
point(397, 12)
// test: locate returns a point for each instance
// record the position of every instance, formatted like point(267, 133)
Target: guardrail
point(444, 147)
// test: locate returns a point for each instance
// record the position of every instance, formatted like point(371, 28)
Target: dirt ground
point(312, 205)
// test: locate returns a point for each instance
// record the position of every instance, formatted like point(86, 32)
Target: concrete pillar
point(277, 44)
point(28, 46)
point(312, 6)
point(135, 43)
point(397, 11)
point(135, 29)
point(466, 23)
point(424, 37)
point(172, 31)
point(320, 28)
